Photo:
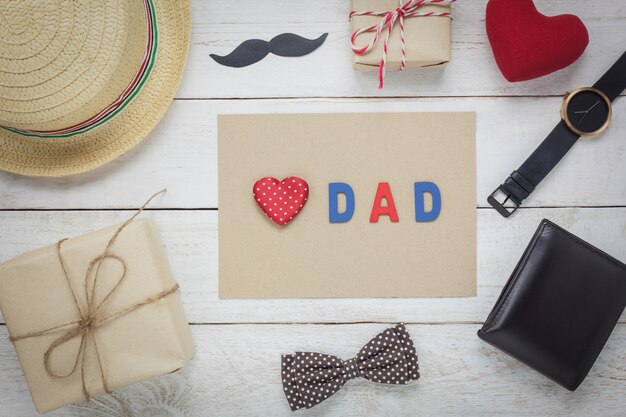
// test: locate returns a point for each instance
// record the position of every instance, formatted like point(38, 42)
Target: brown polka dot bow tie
point(310, 378)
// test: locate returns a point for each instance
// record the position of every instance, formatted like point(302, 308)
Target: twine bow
point(406, 10)
point(93, 317)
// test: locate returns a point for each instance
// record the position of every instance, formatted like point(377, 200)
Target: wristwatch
point(585, 112)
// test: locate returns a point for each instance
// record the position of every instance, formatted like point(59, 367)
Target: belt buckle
point(500, 206)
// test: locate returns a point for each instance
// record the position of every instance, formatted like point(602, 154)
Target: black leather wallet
point(559, 306)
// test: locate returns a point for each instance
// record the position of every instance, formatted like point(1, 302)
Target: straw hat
point(83, 81)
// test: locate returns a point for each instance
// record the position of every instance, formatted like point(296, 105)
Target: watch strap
point(522, 182)
point(548, 154)
point(613, 82)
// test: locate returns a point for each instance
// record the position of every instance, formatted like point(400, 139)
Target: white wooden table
point(237, 368)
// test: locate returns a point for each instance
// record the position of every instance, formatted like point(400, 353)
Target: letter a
point(383, 191)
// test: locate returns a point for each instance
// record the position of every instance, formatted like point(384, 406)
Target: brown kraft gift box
point(141, 332)
point(427, 39)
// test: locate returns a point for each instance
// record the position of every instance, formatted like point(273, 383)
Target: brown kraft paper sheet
point(311, 257)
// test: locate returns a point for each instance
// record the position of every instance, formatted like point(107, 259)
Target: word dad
point(383, 191)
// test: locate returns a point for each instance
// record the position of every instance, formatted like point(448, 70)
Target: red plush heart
point(281, 201)
point(528, 44)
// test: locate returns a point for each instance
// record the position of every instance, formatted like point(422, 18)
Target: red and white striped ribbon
point(406, 10)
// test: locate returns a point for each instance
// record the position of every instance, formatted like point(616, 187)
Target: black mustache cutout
point(254, 50)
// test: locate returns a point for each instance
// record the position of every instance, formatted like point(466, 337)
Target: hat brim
point(55, 157)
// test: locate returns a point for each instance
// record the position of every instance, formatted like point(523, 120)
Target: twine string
point(91, 319)
point(389, 18)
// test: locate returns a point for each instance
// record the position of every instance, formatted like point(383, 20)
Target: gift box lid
point(427, 39)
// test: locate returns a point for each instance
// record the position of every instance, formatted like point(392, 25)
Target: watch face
point(587, 111)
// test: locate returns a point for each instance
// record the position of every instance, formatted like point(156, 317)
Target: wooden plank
point(237, 372)
point(181, 155)
point(219, 27)
point(190, 238)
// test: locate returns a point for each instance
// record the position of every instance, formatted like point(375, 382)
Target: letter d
point(334, 189)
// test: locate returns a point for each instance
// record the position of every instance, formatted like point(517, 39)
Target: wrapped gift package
point(427, 39)
point(136, 329)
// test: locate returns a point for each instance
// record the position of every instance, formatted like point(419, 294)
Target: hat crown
point(63, 62)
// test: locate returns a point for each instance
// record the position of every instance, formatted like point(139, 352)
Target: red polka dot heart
point(281, 201)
